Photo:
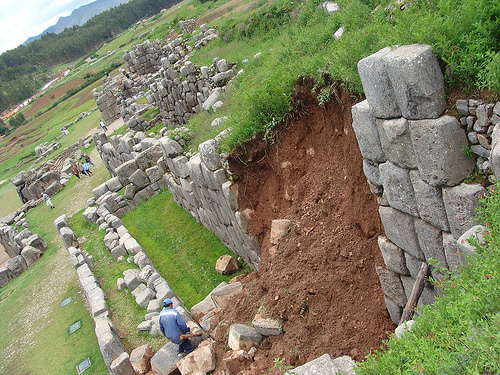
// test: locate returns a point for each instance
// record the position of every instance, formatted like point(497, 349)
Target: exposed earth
point(320, 280)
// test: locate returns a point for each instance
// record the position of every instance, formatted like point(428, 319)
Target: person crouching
point(173, 326)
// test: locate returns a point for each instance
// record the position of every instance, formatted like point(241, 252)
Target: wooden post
point(418, 287)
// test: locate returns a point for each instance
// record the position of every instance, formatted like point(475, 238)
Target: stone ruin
point(415, 161)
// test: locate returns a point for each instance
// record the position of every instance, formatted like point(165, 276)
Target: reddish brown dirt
point(320, 281)
point(49, 97)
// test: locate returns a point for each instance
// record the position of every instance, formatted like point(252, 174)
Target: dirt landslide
point(320, 280)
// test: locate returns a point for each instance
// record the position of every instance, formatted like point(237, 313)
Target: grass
point(183, 251)
point(459, 333)
point(34, 301)
point(9, 198)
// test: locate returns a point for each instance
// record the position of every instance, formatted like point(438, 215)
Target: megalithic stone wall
point(414, 160)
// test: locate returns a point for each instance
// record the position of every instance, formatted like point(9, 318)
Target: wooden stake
point(418, 287)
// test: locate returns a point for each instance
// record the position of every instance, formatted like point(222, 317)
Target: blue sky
point(21, 19)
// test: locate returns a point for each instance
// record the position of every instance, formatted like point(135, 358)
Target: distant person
point(128, 76)
point(46, 198)
point(173, 326)
point(86, 169)
point(74, 170)
point(89, 162)
point(103, 126)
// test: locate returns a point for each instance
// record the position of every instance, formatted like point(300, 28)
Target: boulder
point(68, 238)
point(227, 265)
point(320, 366)
point(265, 325)
point(30, 255)
point(201, 359)
point(164, 362)
point(236, 360)
point(6, 275)
point(279, 227)
point(121, 365)
point(140, 359)
point(16, 265)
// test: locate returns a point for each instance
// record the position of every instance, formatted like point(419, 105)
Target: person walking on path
point(75, 171)
point(87, 159)
point(86, 169)
point(103, 126)
point(173, 326)
point(46, 198)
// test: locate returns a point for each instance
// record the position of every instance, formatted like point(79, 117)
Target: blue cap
point(167, 302)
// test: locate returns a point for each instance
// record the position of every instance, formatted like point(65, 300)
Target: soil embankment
point(320, 281)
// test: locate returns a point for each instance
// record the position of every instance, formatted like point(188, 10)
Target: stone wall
point(414, 161)
point(199, 185)
point(24, 248)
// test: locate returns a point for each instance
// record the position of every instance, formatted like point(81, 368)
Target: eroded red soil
point(320, 281)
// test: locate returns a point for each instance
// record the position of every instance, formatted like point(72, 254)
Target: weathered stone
point(320, 366)
point(454, 258)
point(121, 365)
point(118, 251)
point(143, 298)
point(438, 146)
point(145, 326)
point(170, 147)
point(243, 337)
point(460, 202)
point(139, 179)
point(209, 154)
point(396, 142)
point(467, 242)
point(6, 275)
point(365, 128)
point(235, 362)
point(395, 311)
point(417, 81)
point(140, 357)
point(164, 362)
point(377, 85)
point(68, 237)
point(265, 325)
point(132, 279)
point(108, 340)
point(391, 285)
point(431, 242)
point(413, 264)
point(393, 256)
point(124, 171)
point(120, 284)
point(222, 295)
point(400, 229)
point(202, 308)
point(429, 202)
point(404, 327)
point(30, 255)
point(201, 359)
point(147, 158)
point(100, 190)
point(153, 306)
point(227, 265)
point(398, 188)
point(90, 215)
point(113, 184)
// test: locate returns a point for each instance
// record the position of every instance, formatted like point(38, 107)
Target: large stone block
point(377, 85)
point(148, 158)
point(139, 179)
point(113, 184)
point(209, 153)
point(320, 366)
point(365, 127)
point(395, 311)
point(124, 171)
point(460, 202)
point(170, 147)
point(121, 365)
point(243, 337)
point(100, 190)
point(438, 146)
point(140, 359)
point(164, 362)
point(400, 229)
point(30, 255)
point(398, 188)
point(108, 340)
point(391, 285)
point(6, 275)
point(396, 142)
point(68, 238)
point(495, 151)
point(417, 81)
point(201, 360)
point(430, 203)
point(430, 239)
point(394, 258)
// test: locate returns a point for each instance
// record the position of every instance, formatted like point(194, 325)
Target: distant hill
point(79, 16)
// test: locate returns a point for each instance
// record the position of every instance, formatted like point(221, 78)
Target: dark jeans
point(185, 347)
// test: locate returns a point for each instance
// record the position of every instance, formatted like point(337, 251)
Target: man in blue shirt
point(172, 326)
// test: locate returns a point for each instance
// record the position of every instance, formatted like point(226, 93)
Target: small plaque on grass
point(65, 301)
point(83, 365)
point(74, 327)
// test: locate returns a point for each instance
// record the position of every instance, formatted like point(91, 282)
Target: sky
point(21, 19)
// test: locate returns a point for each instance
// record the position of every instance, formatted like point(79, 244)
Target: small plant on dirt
point(280, 365)
point(467, 151)
point(303, 307)
point(324, 96)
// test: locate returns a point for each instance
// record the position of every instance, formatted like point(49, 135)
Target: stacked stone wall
point(199, 184)
point(414, 161)
point(24, 248)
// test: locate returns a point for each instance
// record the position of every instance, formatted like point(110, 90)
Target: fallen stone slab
point(30, 255)
point(121, 365)
point(265, 325)
point(201, 359)
point(243, 337)
point(164, 362)
point(140, 359)
point(320, 366)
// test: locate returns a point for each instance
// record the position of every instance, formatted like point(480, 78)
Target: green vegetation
point(459, 333)
point(183, 251)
